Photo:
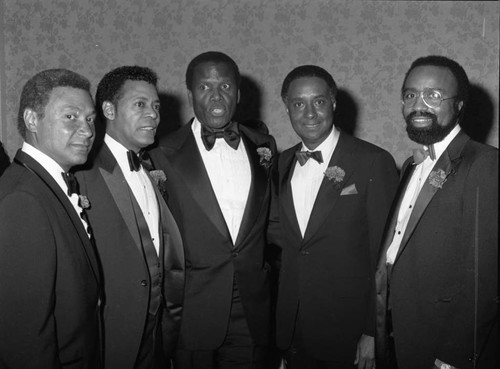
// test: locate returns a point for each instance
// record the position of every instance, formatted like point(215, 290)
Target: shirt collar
point(440, 147)
point(327, 146)
point(119, 152)
point(49, 164)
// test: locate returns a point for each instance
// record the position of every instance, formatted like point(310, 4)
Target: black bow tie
point(304, 156)
point(71, 182)
point(133, 161)
point(230, 134)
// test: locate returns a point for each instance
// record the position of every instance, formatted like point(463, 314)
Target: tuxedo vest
point(154, 263)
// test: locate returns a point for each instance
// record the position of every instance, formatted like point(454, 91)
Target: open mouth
point(217, 110)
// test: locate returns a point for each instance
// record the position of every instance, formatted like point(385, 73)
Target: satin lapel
point(286, 168)
point(120, 191)
point(33, 166)
point(329, 192)
point(393, 213)
point(258, 188)
point(189, 165)
point(448, 162)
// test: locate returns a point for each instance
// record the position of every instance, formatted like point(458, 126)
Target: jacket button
point(144, 283)
point(304, 252)
point(234, 254)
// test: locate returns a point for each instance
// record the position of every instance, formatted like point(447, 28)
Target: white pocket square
point(349, 190)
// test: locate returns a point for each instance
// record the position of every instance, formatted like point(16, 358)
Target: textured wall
point(366, 45)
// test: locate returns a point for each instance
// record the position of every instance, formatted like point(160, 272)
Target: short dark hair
point(36, 92)
point(211, 57)
point(110, 86)
point(308, 71)
point(455, 68)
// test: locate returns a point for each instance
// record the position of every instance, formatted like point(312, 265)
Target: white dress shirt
point(306, 180)
point(141, 188)
point(55, 171)
point(417, 180)
point(230, 175)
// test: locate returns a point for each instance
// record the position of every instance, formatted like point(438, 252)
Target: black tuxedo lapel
point(258, 188)
point(120, 191)
point(286, 169)
point(187, 161)
point(393, 213)
point(448, 162)
point(329, 192)
point(33, 166)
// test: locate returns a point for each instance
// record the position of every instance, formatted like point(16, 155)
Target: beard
point(427, 135)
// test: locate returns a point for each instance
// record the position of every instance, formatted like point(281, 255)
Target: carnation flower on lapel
point(335, 174)
point(265, 156)
point(160, 179)
point(83, 202)
point(437, 178)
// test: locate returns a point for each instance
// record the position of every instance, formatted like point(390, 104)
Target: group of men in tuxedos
point(156, 255)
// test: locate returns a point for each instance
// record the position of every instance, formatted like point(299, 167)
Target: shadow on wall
point(478, 119)
point(346, 112)
point(170, 115)
point(4, 159)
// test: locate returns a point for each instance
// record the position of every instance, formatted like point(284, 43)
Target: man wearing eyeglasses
point(437, 276)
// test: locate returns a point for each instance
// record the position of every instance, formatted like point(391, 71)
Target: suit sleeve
point(382, 188)
point(472, 325)
point(27, 278)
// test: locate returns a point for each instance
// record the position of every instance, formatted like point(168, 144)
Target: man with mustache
point(437, 276)
point(218, 190)
point(330, 200)
point(138, 242)
point(50, 285)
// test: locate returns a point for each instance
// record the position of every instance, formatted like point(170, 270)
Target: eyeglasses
point(432, 98)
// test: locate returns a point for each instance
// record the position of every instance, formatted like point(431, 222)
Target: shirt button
point(144, 283)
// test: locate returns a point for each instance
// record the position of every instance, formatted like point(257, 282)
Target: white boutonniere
point(160, 179)
point(437, 178)
point(83, 201)
point(265, 155)
point(335, 174)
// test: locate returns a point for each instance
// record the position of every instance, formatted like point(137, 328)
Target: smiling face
point(310, 107)
point(133, 120)
point(66, 131)
point(214, 94)
point(426, 125)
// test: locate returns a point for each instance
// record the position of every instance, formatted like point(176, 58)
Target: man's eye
point(409, 95)
point(320, 102)
point(203, 87)
point(434, 95)
point(156, 107)
point(70, 116)
point(90, 120)
point(226, 86)
point(140, 104)
point(298, 105)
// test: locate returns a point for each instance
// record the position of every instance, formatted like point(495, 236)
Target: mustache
point(424, 114)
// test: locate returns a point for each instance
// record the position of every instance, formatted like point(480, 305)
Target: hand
point(365, 352)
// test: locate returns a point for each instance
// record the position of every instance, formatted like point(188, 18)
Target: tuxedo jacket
point(446, 266)
point(49, 275)
point(326, 277)
point(213, 262)
point(115, 218)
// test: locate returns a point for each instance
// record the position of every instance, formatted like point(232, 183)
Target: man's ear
point(190, 98)
point(30, 120)
point(238, 101)
point(460, 105)
point(108, 109)
point(334, 104)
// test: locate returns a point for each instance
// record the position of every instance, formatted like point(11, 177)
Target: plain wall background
point(366, 45)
